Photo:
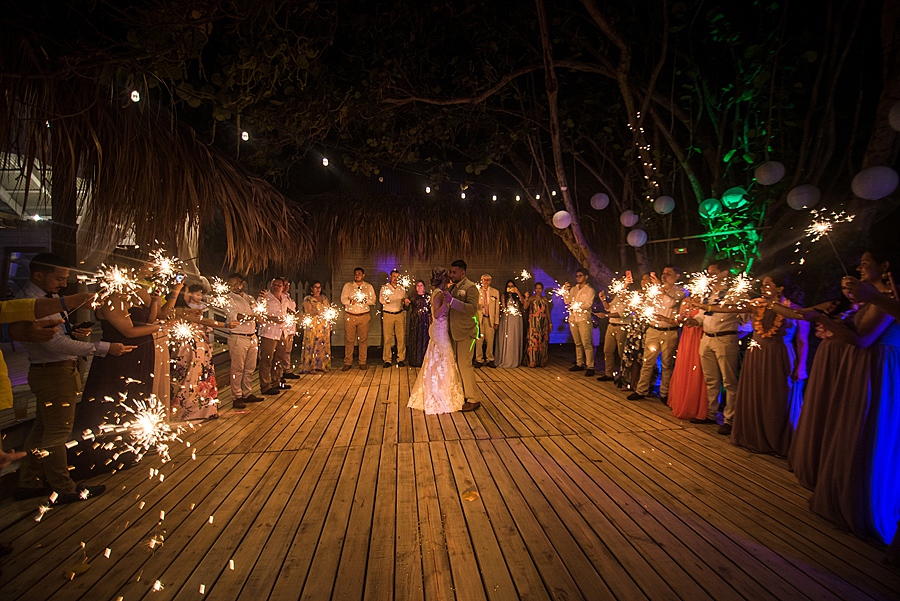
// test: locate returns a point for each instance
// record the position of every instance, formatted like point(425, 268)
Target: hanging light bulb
point(245, 136)
point(325, 161)
point(427, 189)
point(494, 198)
point(553, 193)
point(518, 198)
point(135, 96)
point(537, 196)
point(462, 195)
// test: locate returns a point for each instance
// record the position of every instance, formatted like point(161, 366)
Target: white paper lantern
point(769, 173)
point(562, 220)
point(637, 238)
point(600, 201)
point(894, 116)
point(664, 205)
point(875, 182)
point(735, 198)
point(804, 196)
point(628, 218)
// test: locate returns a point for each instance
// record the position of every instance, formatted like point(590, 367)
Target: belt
point(240, 334)
point(717, 334)
point(68, 363)
point(616, 325)
point(356, 314)
point(672, 329)
point(391, 312)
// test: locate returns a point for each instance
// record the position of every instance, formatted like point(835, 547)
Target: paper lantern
point(562, 220)
point(628, 218)
point(664, 205)
point(735, 198)
point(637, 238)
point(802, 197)
point(875, 182)
point(769, 173)
point(710, 208)
point(894, 116)
point(600, 201)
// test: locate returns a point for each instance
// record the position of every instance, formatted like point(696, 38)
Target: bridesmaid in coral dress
point(687, 390)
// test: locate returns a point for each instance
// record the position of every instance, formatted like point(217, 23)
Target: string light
point(517, 198)
point(245, 136)
point(494, 198)
point(537, 196)
point(553, 193)
point(427, 189)
point(462, 195)
point(135, 96)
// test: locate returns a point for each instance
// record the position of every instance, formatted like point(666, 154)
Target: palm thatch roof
point(142, 172)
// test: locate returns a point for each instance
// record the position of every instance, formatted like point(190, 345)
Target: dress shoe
point(345, 368)
point(725, 430)
point(577, 368)
point(20, 494)
point(253, 399)
point(702, 420)
point(401, 363)
point(664, 400)
point(491, 364)
point(291, 377)
point(284, 386)
point(238, 404)
point(363, 366)
point(386, 365)
point(635, 397)
point(82, 493)
point(605, 378)
point(479, 365)
point(589, 373)
point(471, 405)
point(271, 391)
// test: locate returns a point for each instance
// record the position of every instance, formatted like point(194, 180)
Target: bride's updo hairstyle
point(438, 276)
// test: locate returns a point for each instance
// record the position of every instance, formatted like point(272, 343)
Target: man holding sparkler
point(662, 334)
point(357, 297)
point(579, 301)
point(290, 330)
point(489, 314)
point(719, 348)
point(243, 345)
point(271, 333)
point(393, 322)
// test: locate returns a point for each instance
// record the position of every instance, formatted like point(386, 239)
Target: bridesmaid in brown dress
point(774, 368)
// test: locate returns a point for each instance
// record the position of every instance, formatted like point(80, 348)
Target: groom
point(464, 329)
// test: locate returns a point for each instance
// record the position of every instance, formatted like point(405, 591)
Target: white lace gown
point(438, 388)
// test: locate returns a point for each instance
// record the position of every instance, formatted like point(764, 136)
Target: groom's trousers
point(463, 351)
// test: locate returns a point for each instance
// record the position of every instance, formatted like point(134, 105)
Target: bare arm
point(873, 324)
point(121, 320)
point(801, 345)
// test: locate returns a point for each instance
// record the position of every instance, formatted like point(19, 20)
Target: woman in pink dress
point(687, 390)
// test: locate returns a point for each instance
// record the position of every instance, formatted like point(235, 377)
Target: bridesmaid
point(509, 336)
point(773, 372)
point(537, 311)
point(858, 484)
point(687, 390)
point(419, 322)
point(315, 356)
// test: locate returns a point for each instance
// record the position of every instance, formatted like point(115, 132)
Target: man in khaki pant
point(393, 319)
point(271, 343)
point(357, 297)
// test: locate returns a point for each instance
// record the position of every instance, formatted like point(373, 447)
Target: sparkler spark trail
point(182, 332)
point(524, 276)
point(700, 285)
point(165, 268)
point(146, 425)
point(330, 315)
point(823, 224)
point(738, 293)
point(219, 295)
point(290, 319)
point(405, 282)
point(114, 280)
point(511, 309)
point(261, 307)
point(306, 322)
point(618, 286)
point(358, 297)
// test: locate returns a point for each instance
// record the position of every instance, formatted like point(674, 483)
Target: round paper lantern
point(664, 205)
point(894, 116)
point(875, 182)
point(769, 173)
point(803, 197)
point(735, 198)
point(628, 218)
point(710, 208)
point(600, 201)
point(562, 220)
point(637, 238)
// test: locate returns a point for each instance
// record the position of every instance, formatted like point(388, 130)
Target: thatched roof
point(143, 172)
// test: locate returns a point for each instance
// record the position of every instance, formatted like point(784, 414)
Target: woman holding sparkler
point(509, 339)
point(687, 390)
point(770, 388)
point(537, 310)
point(193, 378)
point(315, 356)
point(419, 322)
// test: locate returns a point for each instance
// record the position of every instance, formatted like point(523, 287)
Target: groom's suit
point(464, 331)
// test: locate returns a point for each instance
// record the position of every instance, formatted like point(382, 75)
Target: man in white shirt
point(271, 343)
point(489, 314)
point(357, 297)
point(614, 342)
point(719, 348)
point(661, 337)
point(54, 379)
point(290, 330)
point(243, 345)
point(579, 300)
point(393, 319)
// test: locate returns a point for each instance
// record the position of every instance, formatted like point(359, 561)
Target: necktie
point(65, 315)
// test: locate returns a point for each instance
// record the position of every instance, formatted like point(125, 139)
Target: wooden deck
point(556, 488)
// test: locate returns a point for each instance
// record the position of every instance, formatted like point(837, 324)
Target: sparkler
point(359, 297)
point(700, 285)
point(182, 332)
point(405, 282)
point(116, 281)
point(737, 295)
point(525, 276)
point(219, 295)
point(261, 307)
point(290, 319)
point(306, 322)
point(165, 268)
point(330, 315)
point(512, 309)
point(823, 224)
point(147, 427)
point(618, 286)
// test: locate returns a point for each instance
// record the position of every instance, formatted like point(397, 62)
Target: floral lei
point(759, 312)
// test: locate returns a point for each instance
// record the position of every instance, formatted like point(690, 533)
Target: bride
point(438, 388)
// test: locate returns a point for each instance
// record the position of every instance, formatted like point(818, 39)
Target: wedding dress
point(438, 388)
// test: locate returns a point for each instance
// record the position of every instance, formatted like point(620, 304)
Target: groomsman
point(489, 316)
point(243, 345)
point(271, 347)
point(393, 322)
point(580, 299)
point(290, 330)
point(661, 337)
point(357, 297)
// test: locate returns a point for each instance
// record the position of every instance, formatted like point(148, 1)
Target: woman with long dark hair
point(509, 336)
point(417, 328)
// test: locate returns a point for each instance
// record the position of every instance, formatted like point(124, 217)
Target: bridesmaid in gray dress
point(510, 336)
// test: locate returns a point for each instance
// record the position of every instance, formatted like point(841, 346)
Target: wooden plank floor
point(557, 488)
